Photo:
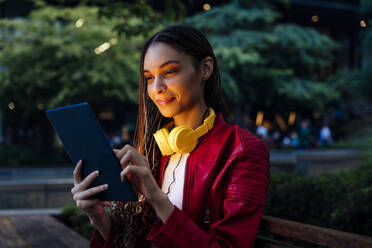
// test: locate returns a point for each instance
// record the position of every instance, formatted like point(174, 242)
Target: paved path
point(33, 211)
point(32, 173)
point(29, 231)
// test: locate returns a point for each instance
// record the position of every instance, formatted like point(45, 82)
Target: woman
point(203, 187)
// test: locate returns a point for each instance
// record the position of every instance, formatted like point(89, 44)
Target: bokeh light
point(314, 18)
point(79, 23)
point(103, 47)
point(206, 6)
point(363, 24)
point(11, 106)
point(292, 118)
point(259, 118)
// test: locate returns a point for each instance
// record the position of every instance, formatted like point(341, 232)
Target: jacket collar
point(219, 123)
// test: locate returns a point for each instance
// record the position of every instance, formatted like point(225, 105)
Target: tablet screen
point(83, 138)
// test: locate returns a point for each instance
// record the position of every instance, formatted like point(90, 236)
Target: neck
point(192, 118)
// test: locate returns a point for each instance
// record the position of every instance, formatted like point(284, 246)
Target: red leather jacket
point(224, 193)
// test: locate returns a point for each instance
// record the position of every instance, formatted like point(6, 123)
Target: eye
point(171, 72)
point(149, 79)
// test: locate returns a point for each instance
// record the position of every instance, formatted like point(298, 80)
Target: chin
point(166, 113)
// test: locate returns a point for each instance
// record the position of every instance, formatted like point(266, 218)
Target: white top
point(174, 178)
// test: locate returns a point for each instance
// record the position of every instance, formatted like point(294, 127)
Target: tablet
point(83, 138)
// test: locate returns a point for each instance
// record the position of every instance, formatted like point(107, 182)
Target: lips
point(164, 101)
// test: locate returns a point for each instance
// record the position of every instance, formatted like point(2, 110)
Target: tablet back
point(83, 138)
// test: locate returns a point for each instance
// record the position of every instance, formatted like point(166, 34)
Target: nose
point(159, 85)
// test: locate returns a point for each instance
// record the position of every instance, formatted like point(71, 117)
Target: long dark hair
point(137, 218)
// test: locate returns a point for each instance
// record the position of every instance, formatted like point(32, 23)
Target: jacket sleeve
point(243, 203)
point(97, 241)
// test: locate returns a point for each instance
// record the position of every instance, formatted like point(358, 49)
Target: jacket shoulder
point(242, 139)
point(241, 136)
point(248, 173)
point(226, 142)
point(251, 142)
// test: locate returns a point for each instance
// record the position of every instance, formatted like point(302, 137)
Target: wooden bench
point(45, 231)
point(294, 231)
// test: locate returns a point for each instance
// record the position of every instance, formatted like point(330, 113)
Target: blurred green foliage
point(342, 201)
point(60, 56)
point(366, 5)
point(71, 51)
point(135, 18)
point(77, 220)
point(266, 64)
point(50, 59)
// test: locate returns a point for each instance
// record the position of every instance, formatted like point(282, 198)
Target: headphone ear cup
point(161, 137)
point(182, 140)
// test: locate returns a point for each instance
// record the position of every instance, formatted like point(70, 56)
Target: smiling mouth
point(165, 100)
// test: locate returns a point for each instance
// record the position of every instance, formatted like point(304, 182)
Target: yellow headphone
point(182, 139)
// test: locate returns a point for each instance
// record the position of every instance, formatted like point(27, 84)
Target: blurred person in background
point(263, 133)
point(305, 134)
point(325, 137)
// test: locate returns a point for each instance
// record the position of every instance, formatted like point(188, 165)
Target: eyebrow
point(166, 63)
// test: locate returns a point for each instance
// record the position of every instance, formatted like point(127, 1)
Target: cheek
point(193, 89)
point(190, 84)
point(150, 93)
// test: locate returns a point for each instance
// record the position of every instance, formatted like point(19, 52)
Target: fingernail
point(96, 172)
point(106, 186)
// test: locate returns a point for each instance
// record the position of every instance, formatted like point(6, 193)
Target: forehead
point(159, 53)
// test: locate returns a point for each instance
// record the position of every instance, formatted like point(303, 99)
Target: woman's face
point(173, 82)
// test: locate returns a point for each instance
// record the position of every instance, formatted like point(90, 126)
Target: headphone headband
point(207, 124)
point(182, 139)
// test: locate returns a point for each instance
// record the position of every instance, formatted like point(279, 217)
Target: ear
point(206, 68)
